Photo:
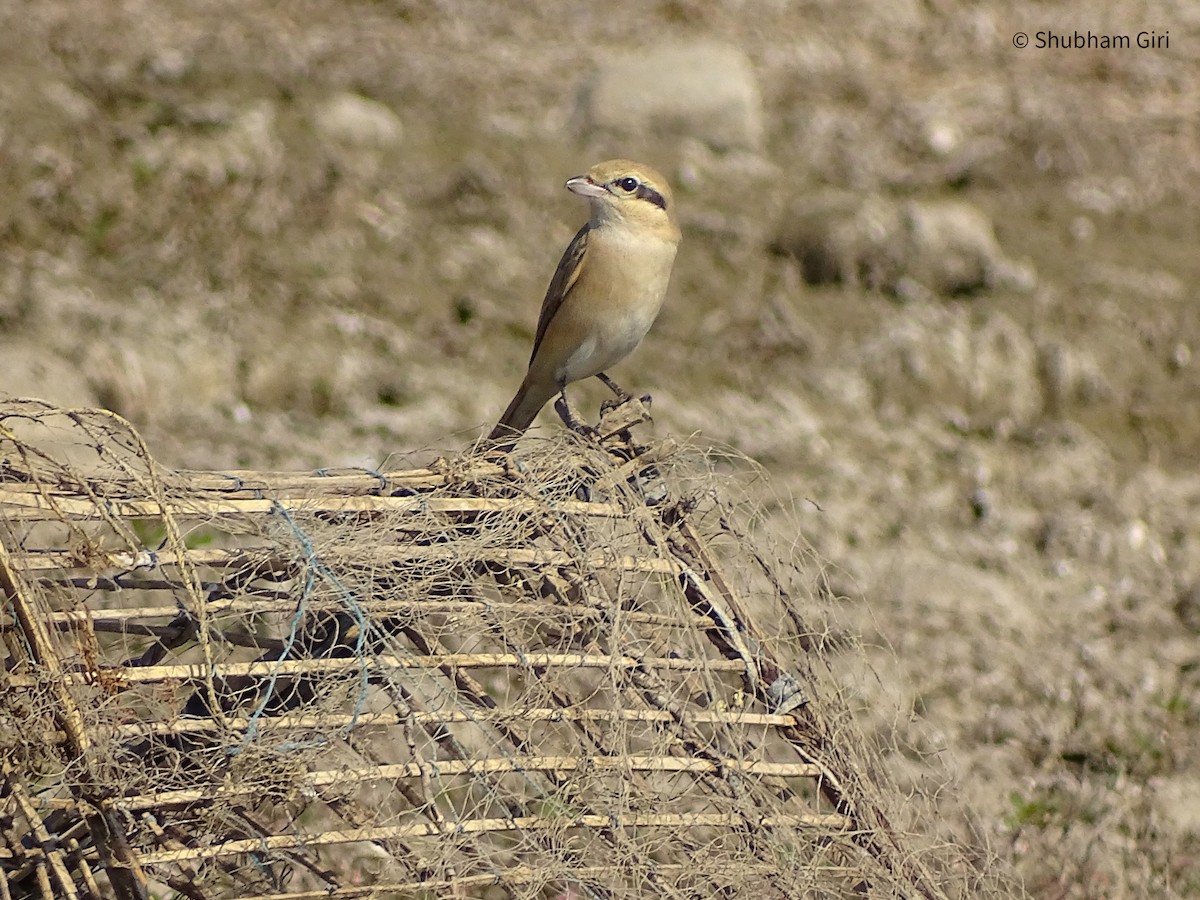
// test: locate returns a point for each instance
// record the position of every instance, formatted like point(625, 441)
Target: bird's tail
point(519, 415)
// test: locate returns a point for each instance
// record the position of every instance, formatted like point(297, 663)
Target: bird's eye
point(628, 184)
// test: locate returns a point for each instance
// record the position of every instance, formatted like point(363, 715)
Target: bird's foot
point(609, 405)
point(617, 419)
point(572, 421)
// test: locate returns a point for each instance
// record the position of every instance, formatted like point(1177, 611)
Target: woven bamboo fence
point(566, 674)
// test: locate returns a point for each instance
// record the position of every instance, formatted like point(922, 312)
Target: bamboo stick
point(21, 505)
point(245, 557)
point(115, 617)
point(195, 672)
point(447, 768)
point(268, 843)
point(329, 722)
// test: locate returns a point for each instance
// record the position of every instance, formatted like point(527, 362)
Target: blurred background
point(943, 288)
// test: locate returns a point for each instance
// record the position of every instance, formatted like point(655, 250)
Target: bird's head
point(629, 194)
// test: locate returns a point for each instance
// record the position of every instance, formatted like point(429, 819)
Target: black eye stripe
point(645, 192)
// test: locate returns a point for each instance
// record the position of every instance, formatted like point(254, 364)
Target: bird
point(605, 294)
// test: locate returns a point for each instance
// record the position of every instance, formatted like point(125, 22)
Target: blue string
point(238, 482)
point(315, 567)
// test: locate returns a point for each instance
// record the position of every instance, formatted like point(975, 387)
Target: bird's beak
point(585, 187)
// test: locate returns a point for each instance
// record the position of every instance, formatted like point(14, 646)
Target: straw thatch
point(569, 674)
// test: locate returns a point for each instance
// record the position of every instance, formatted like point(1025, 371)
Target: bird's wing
point(565, 277)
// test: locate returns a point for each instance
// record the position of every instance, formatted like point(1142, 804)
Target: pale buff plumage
point(606, 292)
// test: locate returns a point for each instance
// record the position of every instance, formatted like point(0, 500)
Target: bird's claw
point(613, 403)
point(572, 421)
point(584, 430)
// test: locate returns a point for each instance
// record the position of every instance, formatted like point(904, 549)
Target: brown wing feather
point(564, 279)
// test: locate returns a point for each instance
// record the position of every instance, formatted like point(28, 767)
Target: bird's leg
point(563, 407)
point(622, 396)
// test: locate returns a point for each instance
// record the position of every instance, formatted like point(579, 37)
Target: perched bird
point(606, 292)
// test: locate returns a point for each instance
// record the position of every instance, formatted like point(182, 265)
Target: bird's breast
point(614, 306)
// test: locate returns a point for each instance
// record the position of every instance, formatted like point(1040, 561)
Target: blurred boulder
point(952, 248)
point(914, 249)
point(1070, 375)
point(356, 121)
point(1187, 606)
point(244, 145)
point(839, 237)
point(955, 133)
point(983, 373)
point(1177, 802)
point(76, 107)
point(699, 89)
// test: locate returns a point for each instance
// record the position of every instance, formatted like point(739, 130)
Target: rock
point(1070, 375)
point(1154, 285)
point(1177, 801)
point(837, 237)
point(356, 121)
point(1187, 606)
point(915, 249)
point(700, 89)
point(75, 106)
point(952, 248)
point(247, 147)
point(950, 132)
point(984, 372)
point(170, 65)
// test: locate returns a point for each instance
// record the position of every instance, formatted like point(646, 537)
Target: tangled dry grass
point(570, 672)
